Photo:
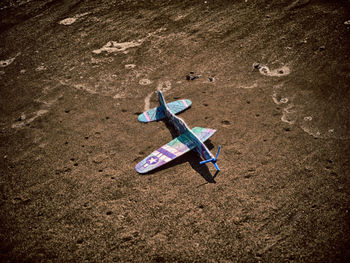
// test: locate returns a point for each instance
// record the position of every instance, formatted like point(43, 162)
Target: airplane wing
point(166, 153)
point(203, 133)
point(172, 150)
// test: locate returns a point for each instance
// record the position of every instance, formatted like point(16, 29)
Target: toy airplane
point(188, 140)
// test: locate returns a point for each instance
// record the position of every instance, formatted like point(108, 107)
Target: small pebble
point(256, 65)
point(225, 122)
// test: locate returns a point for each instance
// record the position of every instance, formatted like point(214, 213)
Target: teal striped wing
point(172, 150)
point(165, 154)
point(203, 133)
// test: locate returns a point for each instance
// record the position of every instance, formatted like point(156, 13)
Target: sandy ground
point(273, 81)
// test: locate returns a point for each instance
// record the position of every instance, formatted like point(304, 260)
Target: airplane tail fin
point(161, 99)
point(213, 160)
point(155, 114)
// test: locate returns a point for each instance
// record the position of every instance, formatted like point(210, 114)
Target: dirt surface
point(273, 81)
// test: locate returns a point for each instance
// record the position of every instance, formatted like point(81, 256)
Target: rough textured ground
point(74, 76)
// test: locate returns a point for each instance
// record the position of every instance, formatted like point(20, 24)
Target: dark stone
point(225, 122)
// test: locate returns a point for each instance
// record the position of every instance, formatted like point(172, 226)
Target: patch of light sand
point(70, 20)
point(113, 46)
point(163, 86)
point(7, 62)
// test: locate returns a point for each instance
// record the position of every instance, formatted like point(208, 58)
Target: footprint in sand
point(264, 70)
point(318, 130)
point(288, 113)
point(145, 82)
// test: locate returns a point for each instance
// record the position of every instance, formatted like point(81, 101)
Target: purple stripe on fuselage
point(167, 153)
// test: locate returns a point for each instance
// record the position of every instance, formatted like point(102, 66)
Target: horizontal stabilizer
point(178, 106)
point(157, 114)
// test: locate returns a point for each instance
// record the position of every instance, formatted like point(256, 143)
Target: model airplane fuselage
point(188, 139)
